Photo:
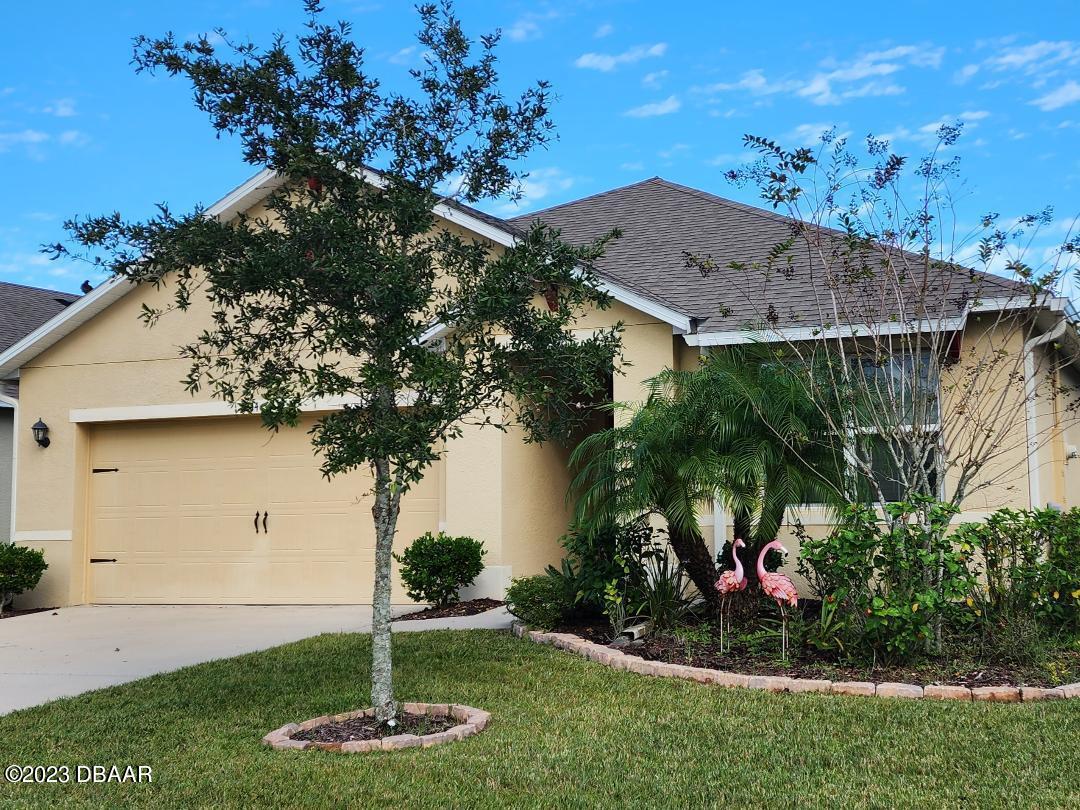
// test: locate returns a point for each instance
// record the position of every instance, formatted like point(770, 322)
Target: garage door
point(221, 511)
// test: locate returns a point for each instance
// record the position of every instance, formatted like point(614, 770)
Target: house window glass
point(904, 388)
point(886, 470)
point(902, 384)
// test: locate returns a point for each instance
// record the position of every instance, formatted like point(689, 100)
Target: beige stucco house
point(22, 310)
point(146, 494)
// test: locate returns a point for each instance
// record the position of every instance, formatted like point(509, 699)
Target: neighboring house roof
point(662, 221)
point(22, 310)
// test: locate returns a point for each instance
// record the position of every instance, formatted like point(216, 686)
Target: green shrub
point(539, 601)
point(436, 567)
point(594, 559)
point(1032, 568)
point(665, 594)
point(20, 570)
point(887, 586)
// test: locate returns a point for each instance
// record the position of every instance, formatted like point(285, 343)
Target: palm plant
point(739, 429)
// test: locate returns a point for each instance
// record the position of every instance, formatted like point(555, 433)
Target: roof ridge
point(598, 194)
point(38, 289)
point(716, 199)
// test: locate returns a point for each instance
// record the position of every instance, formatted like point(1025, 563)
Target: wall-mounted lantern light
point(41, 433)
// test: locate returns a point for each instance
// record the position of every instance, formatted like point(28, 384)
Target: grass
point(565, 732)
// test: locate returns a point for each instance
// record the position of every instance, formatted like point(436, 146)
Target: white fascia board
point(680, 324)
point(804, 333)
point(196, 410)
point(82, 310)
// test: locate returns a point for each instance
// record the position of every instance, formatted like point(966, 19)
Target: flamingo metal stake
point(779, 588)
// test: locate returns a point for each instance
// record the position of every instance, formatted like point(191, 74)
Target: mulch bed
point(11, 614)
point(368, 728)
point(810, 663)
point(469, 607)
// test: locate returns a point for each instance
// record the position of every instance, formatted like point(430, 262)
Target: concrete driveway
point(54, 654)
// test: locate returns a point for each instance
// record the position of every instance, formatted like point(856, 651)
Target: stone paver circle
point(470, 721)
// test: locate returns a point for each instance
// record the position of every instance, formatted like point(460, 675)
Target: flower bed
point(619, 660)
point(341, 730)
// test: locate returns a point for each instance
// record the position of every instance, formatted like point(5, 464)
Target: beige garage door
point(221, 511)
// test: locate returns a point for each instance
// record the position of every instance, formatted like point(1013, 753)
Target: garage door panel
point(152, 535)
point(111, 533)
point(179, 516)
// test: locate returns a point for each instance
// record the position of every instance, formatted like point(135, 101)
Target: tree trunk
point(743, 528)
point(385, 512)
point(698, 562)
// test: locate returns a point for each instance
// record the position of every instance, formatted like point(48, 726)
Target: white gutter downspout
point(1034, 496)
point(14, 404)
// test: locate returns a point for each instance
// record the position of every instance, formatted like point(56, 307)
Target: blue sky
point(644, 89)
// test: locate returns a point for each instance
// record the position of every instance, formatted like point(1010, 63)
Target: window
point(905, 388)
point(886, 471)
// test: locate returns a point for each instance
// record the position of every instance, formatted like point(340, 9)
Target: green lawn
point(565, 732)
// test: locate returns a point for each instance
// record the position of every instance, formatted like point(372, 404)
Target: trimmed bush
point(1032, 568)
point(436, 567)
point(20, 570)
point(539, 601)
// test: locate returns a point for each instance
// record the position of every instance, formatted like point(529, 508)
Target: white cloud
point(607, 62)
point(604, 30)
point(674, 150)
point(822, 87)
point(632, 166)
point(965, 73)
point(527, 26)
point(73, 137)
point(404, 56)
point(540, 184)
point(26, 137)
point(755, 83)
point(926, 135)
point(666, 107)
point(1040, 65)
point(1035, 58)
point(61, 108)
point(810, 134)
point(1068, 93)
point(731, 159)
point(522, 30)
point(836, 82)
point(654, 79)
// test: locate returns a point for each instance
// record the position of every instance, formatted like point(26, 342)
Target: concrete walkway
point(54, 654)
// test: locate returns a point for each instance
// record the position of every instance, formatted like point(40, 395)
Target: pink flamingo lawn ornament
point(730, 582)
point(777, 587)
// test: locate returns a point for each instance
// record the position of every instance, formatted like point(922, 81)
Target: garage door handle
point(256, 523)
point(102, 559)
point(265, 516)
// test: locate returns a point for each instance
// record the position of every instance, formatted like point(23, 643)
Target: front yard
point(564, 732)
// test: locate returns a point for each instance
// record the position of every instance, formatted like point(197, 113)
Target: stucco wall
point(7, 426)
point(509, 494)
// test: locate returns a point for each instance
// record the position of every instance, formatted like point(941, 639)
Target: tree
point(739, 429)
point(347, 287)
point(927, 364)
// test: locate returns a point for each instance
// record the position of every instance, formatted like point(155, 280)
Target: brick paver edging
point(470, 721)
point(617, 659)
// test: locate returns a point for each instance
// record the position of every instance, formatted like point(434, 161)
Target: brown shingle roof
point(24, 309)
point(661, 220)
